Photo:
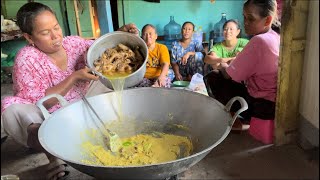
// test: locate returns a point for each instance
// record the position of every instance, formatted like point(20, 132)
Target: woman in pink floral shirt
point(50, 64)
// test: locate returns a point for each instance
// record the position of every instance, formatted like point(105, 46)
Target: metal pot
point(110, 40)
point(209, 122)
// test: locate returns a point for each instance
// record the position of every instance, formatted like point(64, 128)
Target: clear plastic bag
point(197, 84)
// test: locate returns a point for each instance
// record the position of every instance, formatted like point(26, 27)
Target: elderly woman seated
point(158, 60)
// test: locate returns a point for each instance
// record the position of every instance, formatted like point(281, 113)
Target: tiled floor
point(238, 157)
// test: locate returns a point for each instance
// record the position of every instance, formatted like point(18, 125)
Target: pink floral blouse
point(33, 73)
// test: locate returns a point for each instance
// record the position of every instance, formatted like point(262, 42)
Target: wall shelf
point(11, 35)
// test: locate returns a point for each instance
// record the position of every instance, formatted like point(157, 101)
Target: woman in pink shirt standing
point(253, 73)
point(50, 64)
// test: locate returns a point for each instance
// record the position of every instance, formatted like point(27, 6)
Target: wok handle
point(44, 110)
point(244, 106)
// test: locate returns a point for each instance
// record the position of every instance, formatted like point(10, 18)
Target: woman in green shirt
point(221, 54)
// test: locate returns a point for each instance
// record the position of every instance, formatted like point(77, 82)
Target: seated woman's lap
point(149, 82)
point(192, 67)
point(224, 89)
point(16, 119)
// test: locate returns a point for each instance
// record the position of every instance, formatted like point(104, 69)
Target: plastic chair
point(262, 130)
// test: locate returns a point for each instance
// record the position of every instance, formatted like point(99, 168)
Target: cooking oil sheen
point(118, 84)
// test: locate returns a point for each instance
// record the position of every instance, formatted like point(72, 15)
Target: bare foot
point(239, 126)
point(57, 169)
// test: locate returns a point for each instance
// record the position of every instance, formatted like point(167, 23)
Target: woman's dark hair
point(188, 22)
point(27, 13)
point(267, 8)
point(145, 26)
point(231, 20)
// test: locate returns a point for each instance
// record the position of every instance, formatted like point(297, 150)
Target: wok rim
point(208, 149)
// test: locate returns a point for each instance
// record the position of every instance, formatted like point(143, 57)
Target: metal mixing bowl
point(110, 40)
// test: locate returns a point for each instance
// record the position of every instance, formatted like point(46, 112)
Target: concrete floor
point(238, 157)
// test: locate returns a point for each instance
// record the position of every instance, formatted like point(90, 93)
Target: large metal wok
point(147, 109)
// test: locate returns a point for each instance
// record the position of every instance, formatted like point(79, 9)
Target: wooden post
point(93, 18)
point(77, 17)
point(293, 35)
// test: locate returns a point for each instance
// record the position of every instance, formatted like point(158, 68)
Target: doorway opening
point(114, 13)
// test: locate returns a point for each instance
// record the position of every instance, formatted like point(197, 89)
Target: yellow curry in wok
point(141, 149)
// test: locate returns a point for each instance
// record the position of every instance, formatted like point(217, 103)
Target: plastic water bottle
point(218, 29)
point(172, 32)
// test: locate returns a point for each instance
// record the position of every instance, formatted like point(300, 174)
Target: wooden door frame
point(291, 57)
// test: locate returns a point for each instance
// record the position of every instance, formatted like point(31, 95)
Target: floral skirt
point(149, 82)
point(192, 67)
